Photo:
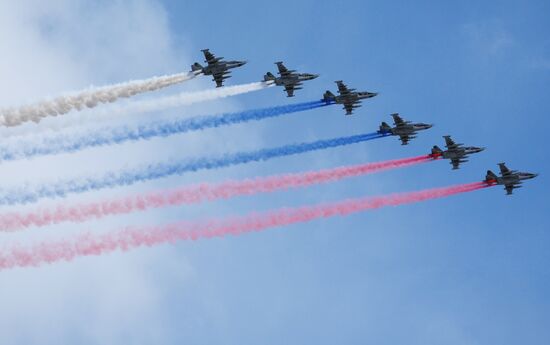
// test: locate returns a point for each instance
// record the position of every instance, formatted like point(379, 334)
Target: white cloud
point(55, 46)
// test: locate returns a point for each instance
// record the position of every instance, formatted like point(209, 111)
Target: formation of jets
point(351, 99)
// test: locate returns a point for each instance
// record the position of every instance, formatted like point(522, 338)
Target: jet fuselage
point(461, 152)
point(294, 78)
point(409, 129)
point(221, 67)
point(353, 97)
point(514, 178)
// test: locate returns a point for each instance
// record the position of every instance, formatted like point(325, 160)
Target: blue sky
point(470, 269)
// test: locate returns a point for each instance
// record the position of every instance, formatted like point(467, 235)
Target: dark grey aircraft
point(457, 153)
point(510, 179)
point(349, 98)
point(406, 130)
point(288, 78)
point(216, 67)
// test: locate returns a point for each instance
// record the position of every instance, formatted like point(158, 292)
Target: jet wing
point(349, 108)
point(283, 71)
point(509, 189)
point(350, 105)
point(397, 120)
point(455, 163)
point(289, 88)
point(404, 139)
point(503, 169)
point(219, 78)
point(209, 57)
point(342, 88)
point(449, 143)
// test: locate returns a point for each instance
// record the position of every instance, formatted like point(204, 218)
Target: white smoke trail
point(185, 98)
point(87, 99)
point(136, 107)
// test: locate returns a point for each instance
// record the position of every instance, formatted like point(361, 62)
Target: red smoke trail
point(192, 194)
point(129, 238)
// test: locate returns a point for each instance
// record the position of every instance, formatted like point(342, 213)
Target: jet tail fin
point(329, 96)
point(384, 128)
point(436, 151)
point(269, 76)
point(490, 177)
point(196, 67)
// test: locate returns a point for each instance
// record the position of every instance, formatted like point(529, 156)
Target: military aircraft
point(457, 153)
point(510, 179)
point(216, 67)
point(349, 98)
point(288, 78)
point(406, 130)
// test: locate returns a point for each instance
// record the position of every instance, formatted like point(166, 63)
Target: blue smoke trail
point(118, 135)
point(159, 170)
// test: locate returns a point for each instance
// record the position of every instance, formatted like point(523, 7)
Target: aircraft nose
point(372, 94)
point(479, 149)
point(313, 76)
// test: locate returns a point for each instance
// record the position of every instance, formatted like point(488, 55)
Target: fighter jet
point(406, 130)
point(216, 67)
point(288, 78)
point(457, 153)
point(510, 179)
point(349, 98)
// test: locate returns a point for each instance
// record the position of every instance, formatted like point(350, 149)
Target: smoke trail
point(175, 167)
point(193, 194)
point(105, 136)
point(87, 99)
point(186, 98)
point(134, 237)
point(142, 106)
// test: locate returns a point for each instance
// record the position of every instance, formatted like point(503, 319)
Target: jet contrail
point(64, 143)
point(133, 237)
point(87, 99)
point(159, 170)
point(193, 194)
